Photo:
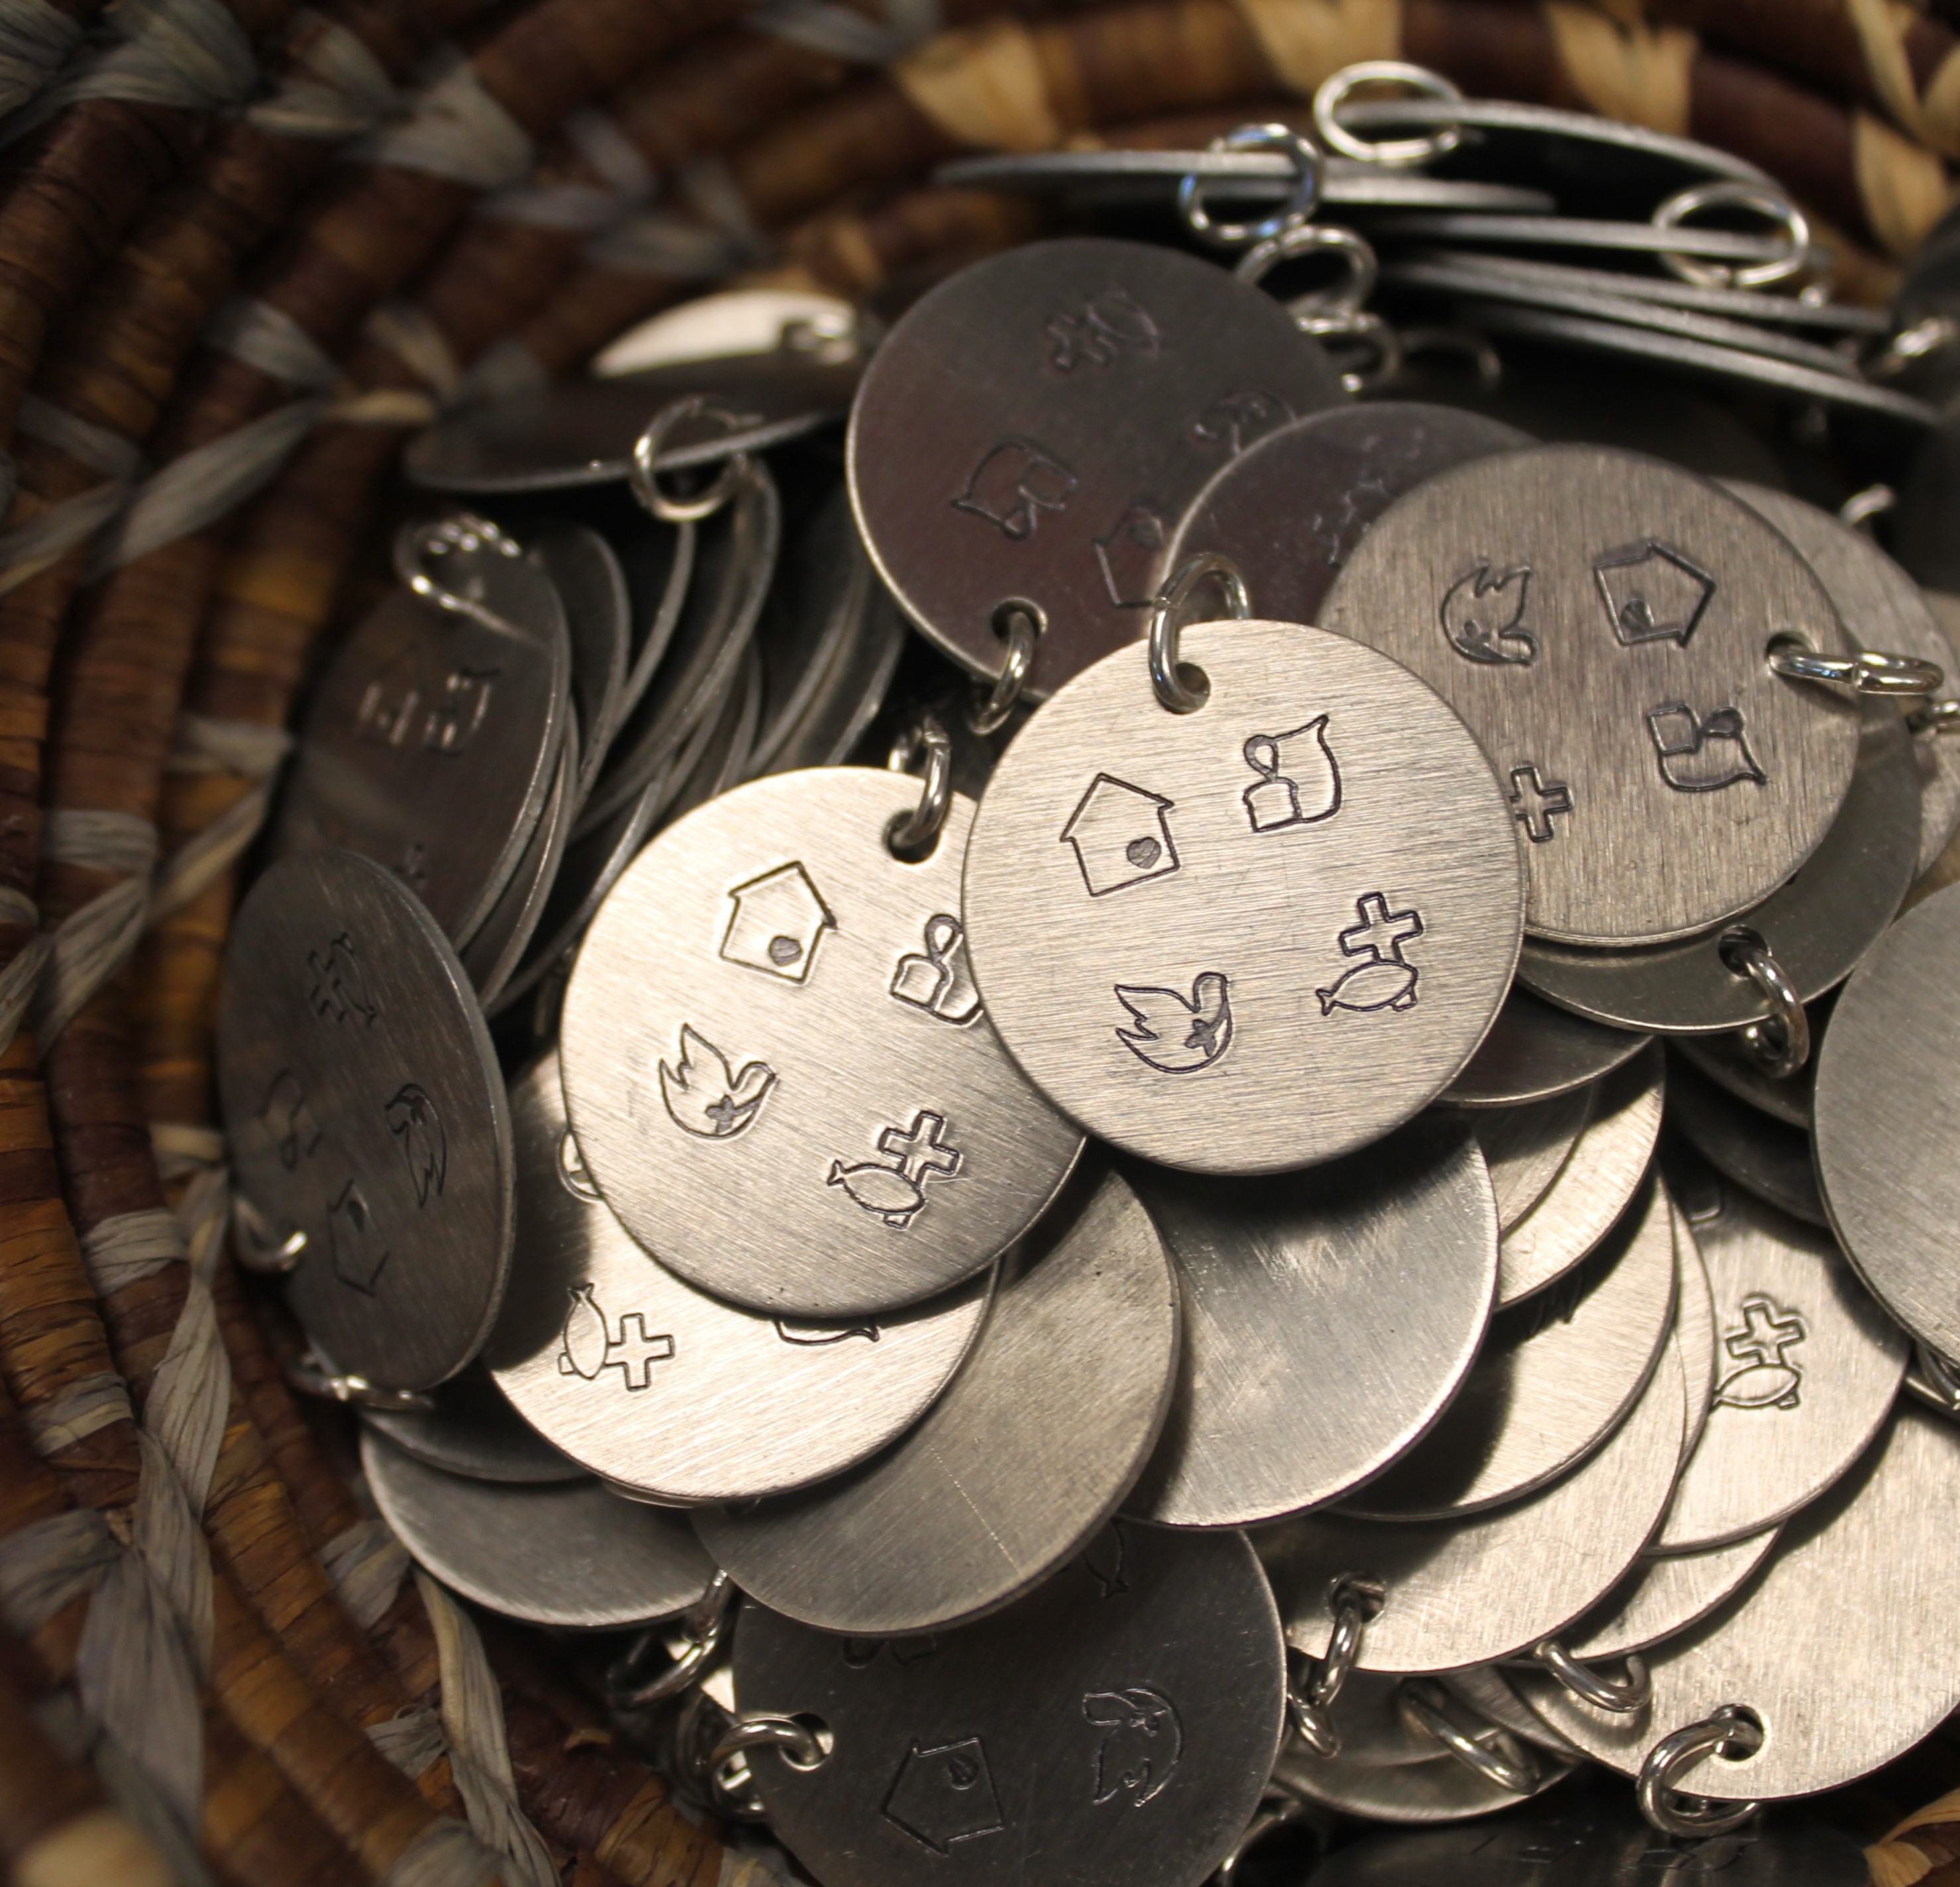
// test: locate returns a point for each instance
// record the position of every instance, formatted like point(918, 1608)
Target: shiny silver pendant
point(1665, 1594)
point(776, 1064)
point(1602, 621)
point(1252, 937)
point(1535, 1051)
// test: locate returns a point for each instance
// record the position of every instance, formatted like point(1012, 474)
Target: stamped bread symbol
point(1121, 835)
point(1768, 1377)
point(1652, 592)
point(1126, 554)
point(1234, 421)
point(893, 1189)
point(1174, 1033)
point(1142, 1740)
point(590, 1343)
point(1299, 782)
point(1481, 615)
point(1535, 802)
point(704, 1095)
point(1384, 980)
point(778, 921)
point(938, 979)
point(1702, 753)
point(943, 1794)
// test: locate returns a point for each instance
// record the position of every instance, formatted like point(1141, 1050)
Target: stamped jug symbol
point(939, 981)
point(1299, 783)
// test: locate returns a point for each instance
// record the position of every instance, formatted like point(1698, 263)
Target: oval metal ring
point(1167, 621)
point(1589, 1686)
point(1934, 1380)
point(1780, 1042)
point(921, 826)
point(703, 1628)
point(416, 541)
point(311, 1376)
point(1861, 508)
point(256, 1244)
point(987, 710)
point(1334, 92)
point(1345, 298)
point(801, 1746)
point(1870, 672)
point(1374, 334)
point(1683, 204)
point(1936, 717)
point(1307, 165)
point(644, 478)
point(1670, 1812)
point(1501, 1761)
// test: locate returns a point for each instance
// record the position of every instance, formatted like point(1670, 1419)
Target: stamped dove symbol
point(1174, 1033)
point(705, 1096)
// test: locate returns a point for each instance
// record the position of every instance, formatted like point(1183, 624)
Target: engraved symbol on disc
point(1273, 929)
point(758, 1063)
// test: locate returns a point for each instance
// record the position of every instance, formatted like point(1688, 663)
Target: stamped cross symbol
point(918, 1149)
point(1534, 802)
point(1382, 932)
point(1765, 1337)
point(634, 1354)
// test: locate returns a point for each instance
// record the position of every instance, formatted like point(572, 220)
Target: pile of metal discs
point(1140, 1100)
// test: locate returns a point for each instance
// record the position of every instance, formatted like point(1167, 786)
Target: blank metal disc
point(1664, 1595)
point(1535, 1051)
point(1525, 1148)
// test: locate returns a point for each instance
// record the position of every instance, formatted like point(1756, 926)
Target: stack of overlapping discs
point(1142, 1101)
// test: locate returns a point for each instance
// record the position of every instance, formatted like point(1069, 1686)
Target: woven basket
point(246, 248)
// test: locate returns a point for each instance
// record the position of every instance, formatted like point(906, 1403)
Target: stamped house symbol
point(1653, 592)
point(1121, 834)
point(778, 921)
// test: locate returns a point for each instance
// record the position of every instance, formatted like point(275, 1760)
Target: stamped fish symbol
point(893, 1189)
point(1383, 980)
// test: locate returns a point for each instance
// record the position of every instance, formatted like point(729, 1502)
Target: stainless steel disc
point(1442, 1788)
point(1253, 937)
point(1032, 428)
point(599, 616)
point(1728, 1061)
point(1599, 1177)
point(1556, 1375)
point(365, 1113)
point(1875, 1550)
point(1470, 1591)
point(1535, 1051)
point(665, 1390)
point(1119, 1724)
point(473, 1430)
point(776, 1064)
point(1010, 1471)
point(492, 955)
point(1665, 1594)
point(1525, 1148)
point(1289, 1284)
point(1762, 1155)
point(1602, 621)
point(1887, 1093)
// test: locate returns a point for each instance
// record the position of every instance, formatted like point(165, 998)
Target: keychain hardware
point(1780, 1042)
point(312, 1376)
point(1292, 214)
point(1728, 1731)
point(989, 709)
point(1355, 1602)
point(914, 837)
point(1181, 688)
point(702, 1630)
point(258, 1246)
point(1492, 1751)
point(644, 479)
point(1335, 91)
point(1624, 1696)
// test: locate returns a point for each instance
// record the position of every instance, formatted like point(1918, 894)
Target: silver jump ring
point(1309, 1706)
point(1346, 297)
point(1589, 1686)
point(1334, 92)
point(1485, 361)
point(1276, 1812)
point(1861, 508)
point(1167, 621)
point(312, 1376)
point(988, 713)
point(1491, 1752)
point(256, 1243)
point(1307, 164)
point(1934, 1380)
point(1373, 333)
point(1933, 334)
point(802, 1747)
point(461, 532)
point(1671, 1758)
point(643, 478)
point(704, 1626)
point(1934, 716)
point(1683, 204)
point(923, 824)
point(1780, 1041)
point(1869, 672)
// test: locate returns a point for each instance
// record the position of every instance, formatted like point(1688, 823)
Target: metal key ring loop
point(461, 532)
point(1675, 211)
point(255, 1242)
point(1345, 297)
point(1935, 718)
point(916, 834)
point(1502, 1760)
point(988, 711)
point(802, 1747)
point(1674, 1813)
point(1861, 508)
point(1589, 1686)
point(1780, 1041)
point(1334, 92)
point(311, 1375)
point(704, 1627)
point(1308, 165)
point(1869, 672)
point(1166, 620)
point(643, 478)
point(1934, 1380)
point(1354, 1602)
point(1374, 334)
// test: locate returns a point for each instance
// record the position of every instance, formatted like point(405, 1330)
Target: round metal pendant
point(1033, 428)
point(1283, 1280)
point(1695, 1335)
point(1883, 610)
point(1119, 1724)
point(1441, 1789)
point(1556, 1375)
point(1289, 509)
point(776, 1065)
point(1762, 1155)
point(599, 615)
point(473, 1430)
point(581, 432)
point(432, 741)
point(1809, 1368)
point(658, 1387)
point(1535, 1051)
point(1726, 1061)
point(1780, 1648)
point(1886, 1088)
point(1662, 1596)
point(852, 688)
point(1525, 1148)
point(493, 954)
point(1252, 938)
point(365, 1111)
point(1010, 1471)
point(1594, 1186)
point(567, 1553)
point(1471, 1592)
point(1602, 621)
